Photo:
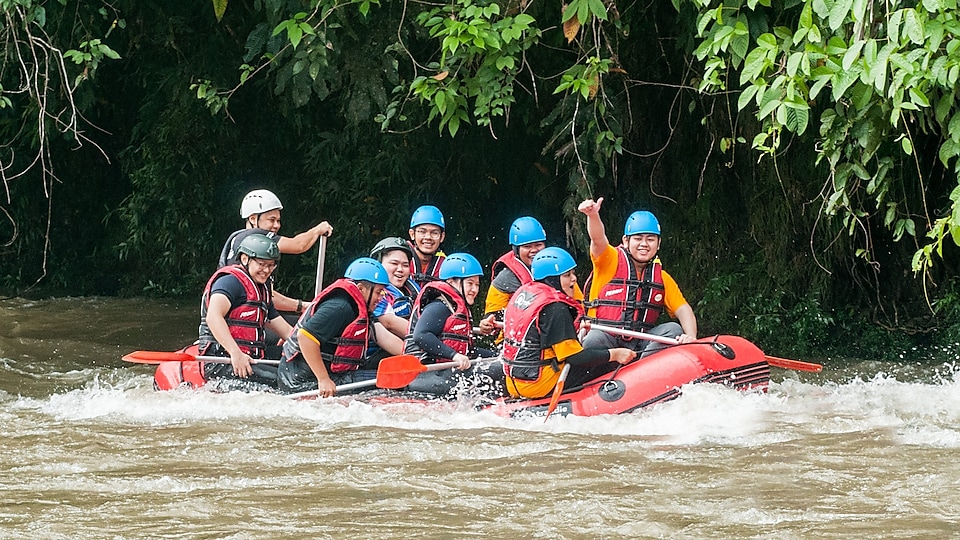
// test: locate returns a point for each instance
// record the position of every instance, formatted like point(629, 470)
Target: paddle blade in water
point(156, 357)
point(797, 365)
point(557, 390)
point(398, 371)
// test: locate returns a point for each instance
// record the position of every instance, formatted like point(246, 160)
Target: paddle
point(399, 371)
point(393, 372)
point(772, 360)
point(320, 256)
point(557, 390)
point(157, 357)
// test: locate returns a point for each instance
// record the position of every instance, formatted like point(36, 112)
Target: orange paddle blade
point(557, 390)
point(797, 365)
point(398, 371)
point(156, 357)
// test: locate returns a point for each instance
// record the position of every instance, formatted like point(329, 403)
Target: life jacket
point(521, 332)
point(246, 321)
point(457, 329)
point(510, 261)
point(351, 346)
point(626, 301)
point(402, 298)
point(424, 275)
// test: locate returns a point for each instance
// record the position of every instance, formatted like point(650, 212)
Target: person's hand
point(324, 229)
point(684, 338)
point(326, 388)
point(241, 364)
point(463, 362)
point(591, 207)
point(622, 355)
point(489, 325)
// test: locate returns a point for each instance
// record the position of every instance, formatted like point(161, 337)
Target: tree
point(881, 79)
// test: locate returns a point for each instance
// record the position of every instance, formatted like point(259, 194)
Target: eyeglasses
point(432, 233)
point(265, 264)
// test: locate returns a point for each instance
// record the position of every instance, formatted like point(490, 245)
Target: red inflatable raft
point(729, 360)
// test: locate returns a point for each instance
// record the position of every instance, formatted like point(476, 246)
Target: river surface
point(90, 450)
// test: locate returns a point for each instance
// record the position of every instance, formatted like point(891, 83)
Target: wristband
point(299, 306)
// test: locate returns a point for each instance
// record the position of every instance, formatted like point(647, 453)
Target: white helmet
point(259, 201)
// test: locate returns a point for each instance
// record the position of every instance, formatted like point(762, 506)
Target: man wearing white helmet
point(261, 210)
point(628, 289)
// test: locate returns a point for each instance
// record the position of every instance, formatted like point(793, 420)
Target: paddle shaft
point(631, 333)
point(340, 388)
point(772, 360)
point(320, 257)
point(226, 360)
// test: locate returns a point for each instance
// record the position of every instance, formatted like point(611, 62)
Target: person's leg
point(668, 330)
point(596, 339)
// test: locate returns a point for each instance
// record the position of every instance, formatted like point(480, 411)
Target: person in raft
point(260, 210)
point(540, 332)
point(329, 343)
point(629, 289)
point(440, 325)
point(426, 234)
point(236, 309)
point(396, 303)
point(512, 269)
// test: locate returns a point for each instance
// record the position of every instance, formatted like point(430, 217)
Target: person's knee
point(668, 329)
point(595, 339)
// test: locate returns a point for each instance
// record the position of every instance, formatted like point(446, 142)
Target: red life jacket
point(351, 346)
point(626, 301)
point(515, 265)
point(521, 331)
point(246, 321)
point(420, 274)
point(457, 329)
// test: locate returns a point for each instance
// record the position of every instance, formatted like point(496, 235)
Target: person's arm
point(595, 228)
point(285, 303)
point(395, 324)
point(688, 321)
point(217, 311)
point(305, 240)
point(310, 349)
point(427, 334)
point(386, 339)
point(280, 326)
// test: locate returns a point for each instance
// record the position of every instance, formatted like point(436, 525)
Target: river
point(90, 450)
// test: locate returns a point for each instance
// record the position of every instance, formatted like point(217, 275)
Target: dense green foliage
point(358, 112)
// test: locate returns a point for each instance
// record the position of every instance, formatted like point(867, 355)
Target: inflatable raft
point(728, 360)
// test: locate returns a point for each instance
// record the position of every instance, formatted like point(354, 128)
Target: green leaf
point(597, 9)
point(918, 97)
point(219, 8)
point(948, 150)
point(913, 27)
point(838, 12)
point(797, 119)
point(953, 128)
point(907, 146)
point(852, 54)
point(746, 95)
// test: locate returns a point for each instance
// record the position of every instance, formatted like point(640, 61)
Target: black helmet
point(388, 244)
point(259, 246)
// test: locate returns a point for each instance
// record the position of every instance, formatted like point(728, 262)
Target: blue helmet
point(460, 265)
point(551, 261)
point(526, 230)
point(367, 269)
point(427, 215)
point(641, 222)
